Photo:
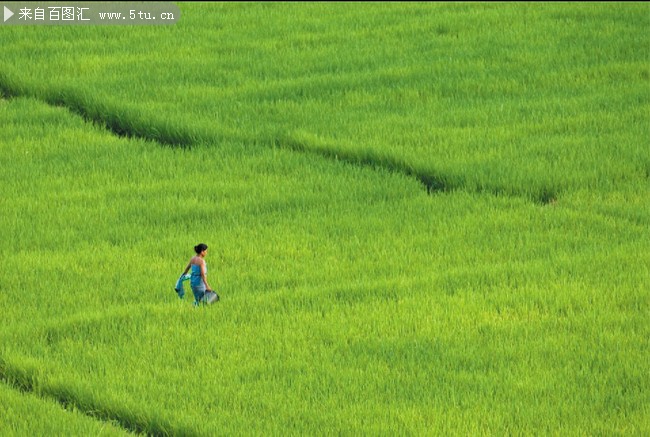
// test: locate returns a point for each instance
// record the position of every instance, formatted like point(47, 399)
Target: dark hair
point(200, 248)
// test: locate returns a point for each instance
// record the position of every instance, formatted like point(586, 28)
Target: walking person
point(199, 276)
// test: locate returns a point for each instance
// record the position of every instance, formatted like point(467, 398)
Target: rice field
point(423, 219)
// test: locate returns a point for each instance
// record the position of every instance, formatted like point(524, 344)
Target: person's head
point(201, 249)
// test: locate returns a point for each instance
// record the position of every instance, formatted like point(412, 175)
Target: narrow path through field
point(135, 127)
point(25, 382)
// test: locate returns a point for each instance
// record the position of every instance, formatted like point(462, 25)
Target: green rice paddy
point(423, 219)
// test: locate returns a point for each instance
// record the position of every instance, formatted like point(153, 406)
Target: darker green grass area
point(130, 125)
point(69, 398)
point(119, 121)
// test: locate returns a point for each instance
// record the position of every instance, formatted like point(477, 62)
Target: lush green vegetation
point(27, 414)
point(528, 99)
point(510, 298)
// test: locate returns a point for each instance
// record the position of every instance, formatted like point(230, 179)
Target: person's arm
point(187, 269)
point(204, 276)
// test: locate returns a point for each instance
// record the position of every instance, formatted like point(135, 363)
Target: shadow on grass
point(129, 123)
point(27, 381)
